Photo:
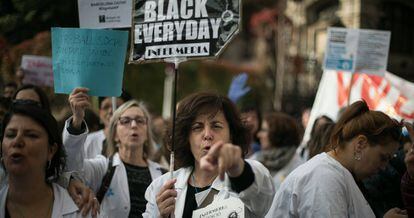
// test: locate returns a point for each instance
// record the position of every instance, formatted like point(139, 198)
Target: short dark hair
point(358, 119)
point(49, 123)
point(44, 100)
point(188, 110)
point(125, 96)
point(283, 130)
point(11, 84)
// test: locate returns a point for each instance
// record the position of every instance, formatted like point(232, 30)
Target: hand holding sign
point(166, 198)
point(79, 101)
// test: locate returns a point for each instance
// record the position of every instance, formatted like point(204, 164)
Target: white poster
point(38, 70)
point(357, 50)
point(226, 208)
point(390, 94)
point(182, 28)
point(100, 14)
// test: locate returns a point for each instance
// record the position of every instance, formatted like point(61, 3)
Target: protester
point(33, 156)
point(279, 137)
point(9, 89)
point(96, 142)
point(247, 101)
point(210, 141)
point(363, 142)
point(121, 179)
point(382, 190)
point(33, 93)
point(319, 141)
point(82, 195)
point(304, 150)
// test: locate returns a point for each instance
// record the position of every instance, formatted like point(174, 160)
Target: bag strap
point(106, 181)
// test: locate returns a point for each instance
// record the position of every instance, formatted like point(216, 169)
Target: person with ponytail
point(328, 185)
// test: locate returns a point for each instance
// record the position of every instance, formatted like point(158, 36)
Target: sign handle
point(350, 89)
point(113, 104)
point(176, 62)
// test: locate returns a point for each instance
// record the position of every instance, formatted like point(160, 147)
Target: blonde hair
point(149, 144)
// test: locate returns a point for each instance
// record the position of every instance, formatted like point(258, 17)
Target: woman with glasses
point(329, 185)
point(121, 179)
point(33, 93)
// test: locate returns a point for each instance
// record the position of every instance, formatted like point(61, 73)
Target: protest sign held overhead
point(89, 58)
point(357, 50)
point(37, 70)
point(182, 28)
point(100, 14)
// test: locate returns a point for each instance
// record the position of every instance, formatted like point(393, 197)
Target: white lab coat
point(281, 175)
point(93, 144)
point(257, 197)
point(63, 205)
point(321, 187)
point(116, 202)
point(3, 177)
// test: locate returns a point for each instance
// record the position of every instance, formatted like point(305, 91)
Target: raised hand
point(238, 87)
point(225, 158)
point(79, 101)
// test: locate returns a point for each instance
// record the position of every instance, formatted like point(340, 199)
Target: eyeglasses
point(140, 121)
point(26, 102)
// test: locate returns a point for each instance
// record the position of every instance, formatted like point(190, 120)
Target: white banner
point(38, 70)
point(357, 50)
point(100, 14)
point(390, 94)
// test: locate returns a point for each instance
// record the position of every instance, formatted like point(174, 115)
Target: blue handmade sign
point(88, 58)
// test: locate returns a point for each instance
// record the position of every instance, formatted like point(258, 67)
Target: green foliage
point(22, 19)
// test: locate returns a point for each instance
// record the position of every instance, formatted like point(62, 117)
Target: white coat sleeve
point(74, 147)
point(258, 197)
point(321, 196)
point(151, 209)
point(92, 170)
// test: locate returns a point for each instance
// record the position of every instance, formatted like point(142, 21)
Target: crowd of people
point(362, 165)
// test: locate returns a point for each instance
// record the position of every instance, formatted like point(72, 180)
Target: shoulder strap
point(106, 181)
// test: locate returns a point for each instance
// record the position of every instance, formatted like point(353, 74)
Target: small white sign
point(100, 14)
point(228, 208)
point(357, 50)
point(38, 70)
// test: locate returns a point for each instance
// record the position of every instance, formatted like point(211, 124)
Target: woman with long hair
point(329, 184)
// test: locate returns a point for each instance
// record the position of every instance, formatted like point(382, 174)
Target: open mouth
point(16, 157)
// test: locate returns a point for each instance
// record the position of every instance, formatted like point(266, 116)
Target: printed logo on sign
point(233, 215)
point(101, 18)
point(179, 50)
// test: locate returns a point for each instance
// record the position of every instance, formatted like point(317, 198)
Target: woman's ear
point(361, 143)
point(52, 151)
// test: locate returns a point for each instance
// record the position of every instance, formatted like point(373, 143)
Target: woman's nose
point(18, 141)
point(208, 134)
